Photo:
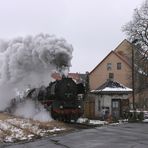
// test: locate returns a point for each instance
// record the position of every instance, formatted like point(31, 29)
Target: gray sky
point(93, 27)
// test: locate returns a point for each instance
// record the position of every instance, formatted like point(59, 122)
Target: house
point(116, 67)
point(111, 98)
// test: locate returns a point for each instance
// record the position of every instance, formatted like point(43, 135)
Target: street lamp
point(133, 72)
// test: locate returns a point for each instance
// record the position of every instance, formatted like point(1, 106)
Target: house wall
point(92, 108)
point(125, 50)
point(106, 101)
point(141, 100)
point(122, 54)
point(98, 76)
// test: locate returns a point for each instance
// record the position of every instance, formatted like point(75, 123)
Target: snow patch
point(17, 129)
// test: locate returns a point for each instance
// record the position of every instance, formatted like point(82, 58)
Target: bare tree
point(137, 29)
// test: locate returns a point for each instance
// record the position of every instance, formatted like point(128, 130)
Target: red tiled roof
point(56, 76)
point(74, 76)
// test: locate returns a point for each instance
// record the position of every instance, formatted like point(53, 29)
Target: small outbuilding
point(110, 99)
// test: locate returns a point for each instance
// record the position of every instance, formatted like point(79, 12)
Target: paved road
point(133, 135)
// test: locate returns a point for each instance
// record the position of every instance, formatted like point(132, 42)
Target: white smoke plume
point(29, 109)
point(30, 61)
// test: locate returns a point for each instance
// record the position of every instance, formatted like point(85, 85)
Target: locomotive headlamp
point(79, 106)
point(61, 107)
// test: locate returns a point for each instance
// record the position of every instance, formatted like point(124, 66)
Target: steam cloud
point(28, 109)
point(30, 61)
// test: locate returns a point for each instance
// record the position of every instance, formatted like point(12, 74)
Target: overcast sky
point(93, 27)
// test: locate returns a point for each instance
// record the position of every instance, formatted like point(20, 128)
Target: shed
point(111, 98)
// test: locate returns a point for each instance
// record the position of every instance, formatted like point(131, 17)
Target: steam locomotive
point(63, 98)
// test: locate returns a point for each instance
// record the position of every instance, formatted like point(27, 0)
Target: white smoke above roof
point(30, 61)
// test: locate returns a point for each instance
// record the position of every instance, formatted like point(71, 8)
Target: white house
point(111, 98)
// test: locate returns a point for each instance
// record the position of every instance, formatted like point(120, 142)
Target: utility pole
point(133, 72)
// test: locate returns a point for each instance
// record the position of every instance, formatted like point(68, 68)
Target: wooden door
point(89, 109)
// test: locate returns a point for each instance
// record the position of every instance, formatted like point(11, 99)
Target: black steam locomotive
point(62, 97)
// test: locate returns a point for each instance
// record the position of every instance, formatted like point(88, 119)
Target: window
point(118, 66)
point(115, 104)
point(111, 75)
point(109, 66)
